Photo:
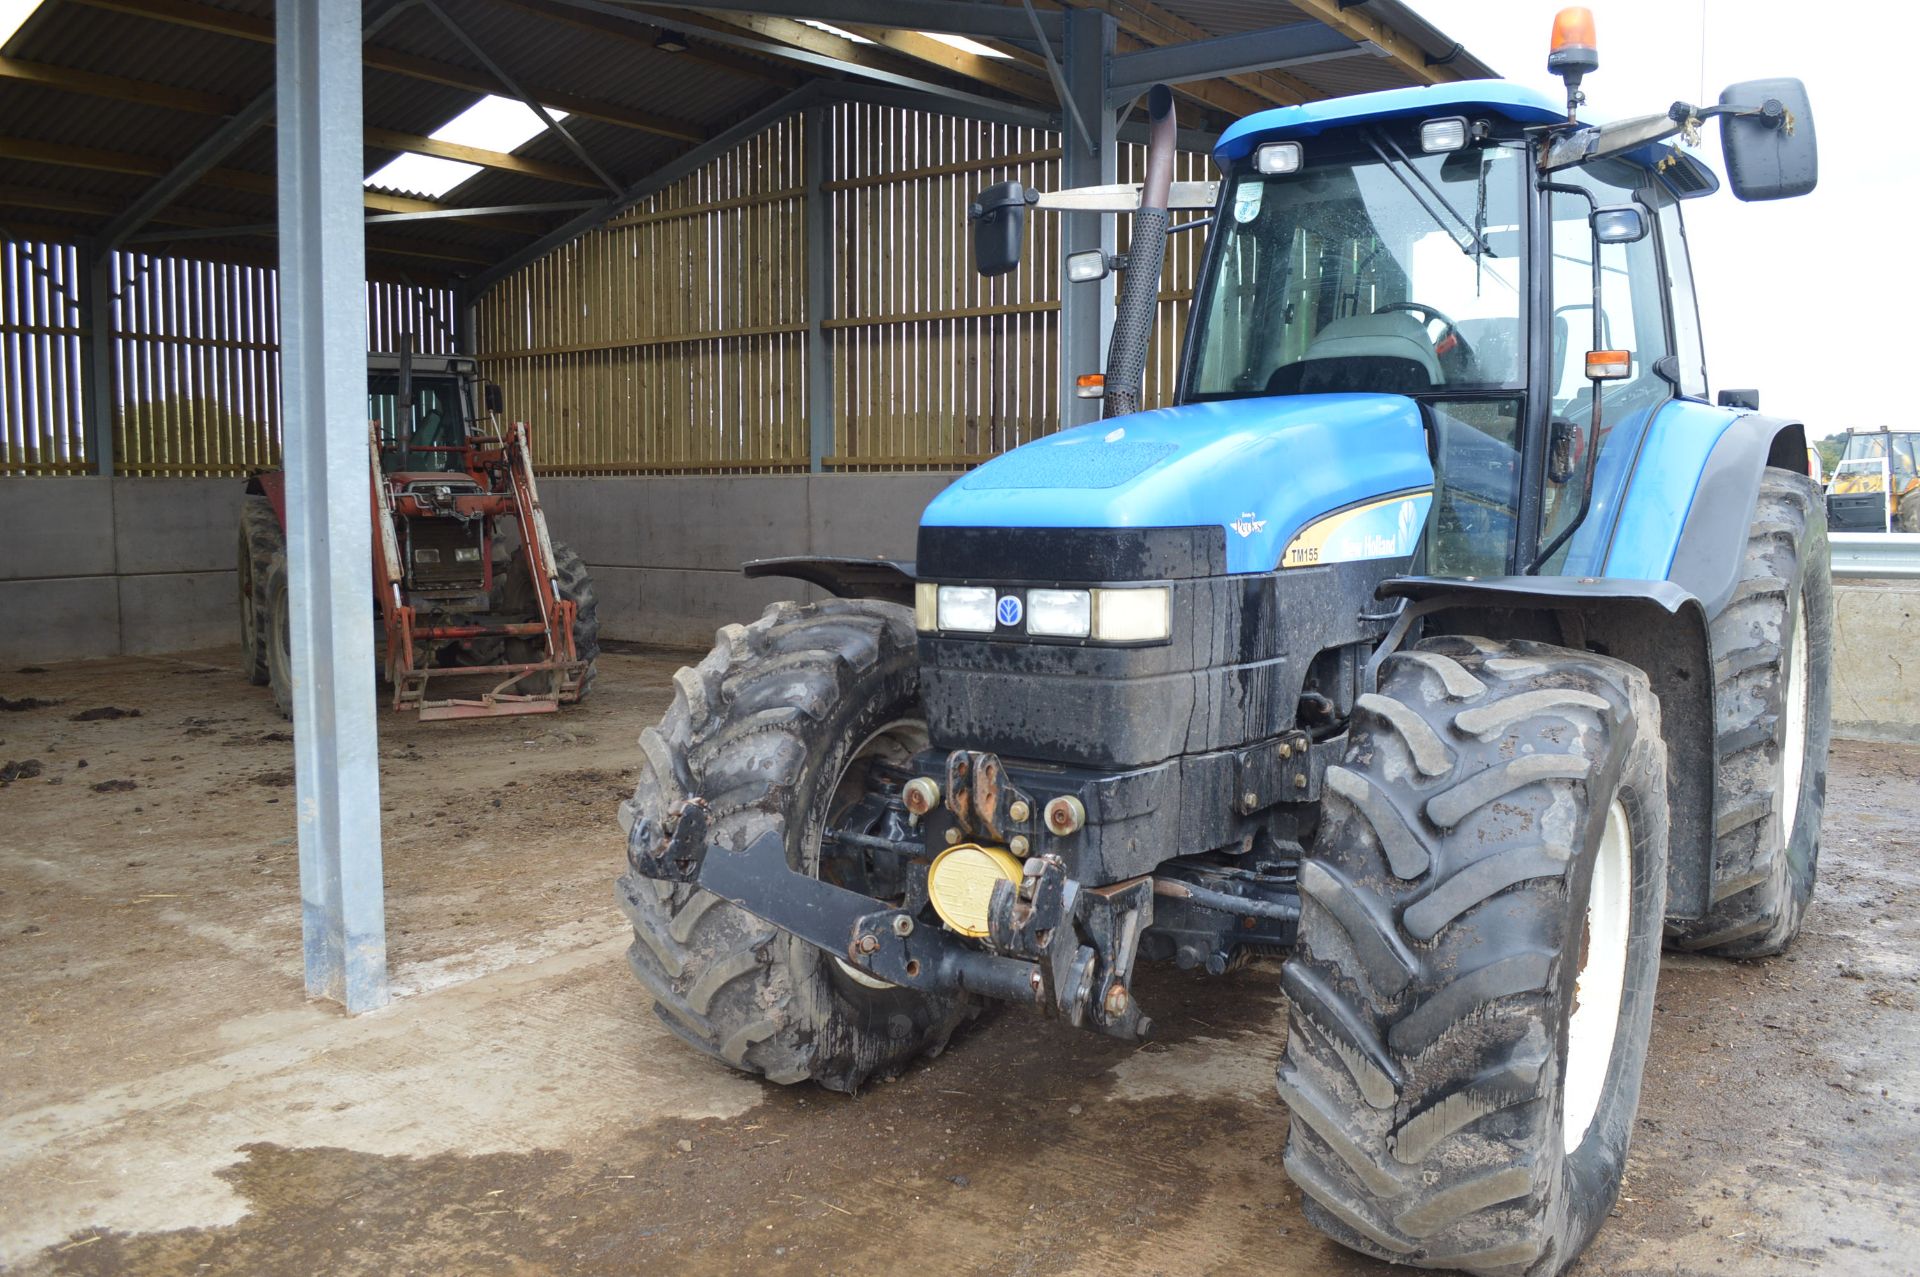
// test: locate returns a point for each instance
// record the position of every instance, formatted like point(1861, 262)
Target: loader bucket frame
point(412, 682)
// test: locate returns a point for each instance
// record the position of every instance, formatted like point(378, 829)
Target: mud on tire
point(763, 729)
point(1771, 728)
point(1444, 921)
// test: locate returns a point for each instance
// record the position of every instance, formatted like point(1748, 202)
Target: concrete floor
point(169, 1104)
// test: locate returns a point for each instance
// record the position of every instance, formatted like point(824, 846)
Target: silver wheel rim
point(902, 734)
point(1793, 745)
point(1600, 987)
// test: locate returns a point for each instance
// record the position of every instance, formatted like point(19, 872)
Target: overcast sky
point(1815, 301)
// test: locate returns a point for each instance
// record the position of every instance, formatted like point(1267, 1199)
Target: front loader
point(480, 612)
point(1442, 635)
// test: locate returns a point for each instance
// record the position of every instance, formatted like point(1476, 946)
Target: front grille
point(443, 554)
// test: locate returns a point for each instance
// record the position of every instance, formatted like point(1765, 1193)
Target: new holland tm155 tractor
point(1464, 658)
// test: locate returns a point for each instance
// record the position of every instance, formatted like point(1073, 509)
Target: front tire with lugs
point(773, 730)
point(1479, 940)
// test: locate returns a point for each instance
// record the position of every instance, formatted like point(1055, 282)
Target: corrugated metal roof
point(537, 43)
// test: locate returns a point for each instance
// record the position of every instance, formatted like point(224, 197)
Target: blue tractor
point(1466, 663)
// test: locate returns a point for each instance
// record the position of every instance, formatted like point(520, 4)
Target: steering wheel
point(1449, 339)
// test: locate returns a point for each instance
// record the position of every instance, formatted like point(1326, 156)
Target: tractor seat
point(1363, 354)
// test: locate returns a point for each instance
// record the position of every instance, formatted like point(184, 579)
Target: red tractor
point(471, 593)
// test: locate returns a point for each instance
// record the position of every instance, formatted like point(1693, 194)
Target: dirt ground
point(171, 1104)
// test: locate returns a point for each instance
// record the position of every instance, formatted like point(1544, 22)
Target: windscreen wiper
point(1476, 246)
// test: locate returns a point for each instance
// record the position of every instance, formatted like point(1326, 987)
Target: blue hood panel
point(1260, 468)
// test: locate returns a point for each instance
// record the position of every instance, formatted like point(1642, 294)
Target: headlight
point(967, 607)
point(1060, 613)
point(1132, 616)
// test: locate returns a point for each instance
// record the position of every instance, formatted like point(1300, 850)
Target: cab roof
point(1457, 97)
point(1517, 102)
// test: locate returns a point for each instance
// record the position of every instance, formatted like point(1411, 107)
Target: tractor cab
point(1415, 247)
point(425, 409)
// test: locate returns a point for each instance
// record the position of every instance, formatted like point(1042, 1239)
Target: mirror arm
point(1683, 119)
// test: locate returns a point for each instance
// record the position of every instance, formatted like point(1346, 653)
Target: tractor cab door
point(436, 426)
point(1646, 308)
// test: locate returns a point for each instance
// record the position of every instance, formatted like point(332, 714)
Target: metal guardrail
point(1876, 554)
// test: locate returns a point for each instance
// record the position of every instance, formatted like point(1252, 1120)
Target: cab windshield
point(437, 421)
point(1386, 271)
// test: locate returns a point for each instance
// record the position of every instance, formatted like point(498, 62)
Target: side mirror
point(999, 218)
point(1618, 224)
point(1748, 399)
point(496, 402)
point(1769, 147)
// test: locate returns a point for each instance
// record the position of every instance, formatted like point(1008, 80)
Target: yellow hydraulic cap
point(960, 883)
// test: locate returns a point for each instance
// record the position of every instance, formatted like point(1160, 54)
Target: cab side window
point(1688, 349)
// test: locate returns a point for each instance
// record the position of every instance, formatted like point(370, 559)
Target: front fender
point(1659, 626)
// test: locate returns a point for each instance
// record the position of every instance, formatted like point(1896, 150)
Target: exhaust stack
point(1140, 292)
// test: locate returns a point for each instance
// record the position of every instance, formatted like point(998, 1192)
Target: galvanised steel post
point(1086, 310)
point(323, 356)
point(814, 151)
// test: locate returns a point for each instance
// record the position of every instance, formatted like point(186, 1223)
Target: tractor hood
point(1261, 469)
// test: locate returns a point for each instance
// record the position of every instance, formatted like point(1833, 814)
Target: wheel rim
point(1793, 748)
point(895, 743)
point(1601, 985)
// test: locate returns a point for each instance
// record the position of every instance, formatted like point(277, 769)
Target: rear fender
point(1685, 516)
point(1713, 540)
point(1656, 625)
point(271, 484)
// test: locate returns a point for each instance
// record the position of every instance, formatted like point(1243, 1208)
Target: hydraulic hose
point(1140, 291)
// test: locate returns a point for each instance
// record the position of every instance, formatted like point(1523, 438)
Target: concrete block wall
point(1876, 660)
point(666, 552)
point(105, 567)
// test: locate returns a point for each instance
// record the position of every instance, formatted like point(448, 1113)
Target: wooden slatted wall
point(195, 360)
point(41, 427)
point(675, 339)
point(672, 339)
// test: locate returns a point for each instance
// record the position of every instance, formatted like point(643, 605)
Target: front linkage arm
point(1072, 948)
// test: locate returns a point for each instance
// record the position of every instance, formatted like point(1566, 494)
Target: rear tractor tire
point(260, 540)
point(278, 634)
point(1472, 994)
point(1772, 662)
point(792, 724)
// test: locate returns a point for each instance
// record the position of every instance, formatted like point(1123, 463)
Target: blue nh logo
point(1009, 609)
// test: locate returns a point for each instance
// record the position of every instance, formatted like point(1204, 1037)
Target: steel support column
point(323, 359)
point(97, 385)
point(1086, 310)
point(815, 144)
